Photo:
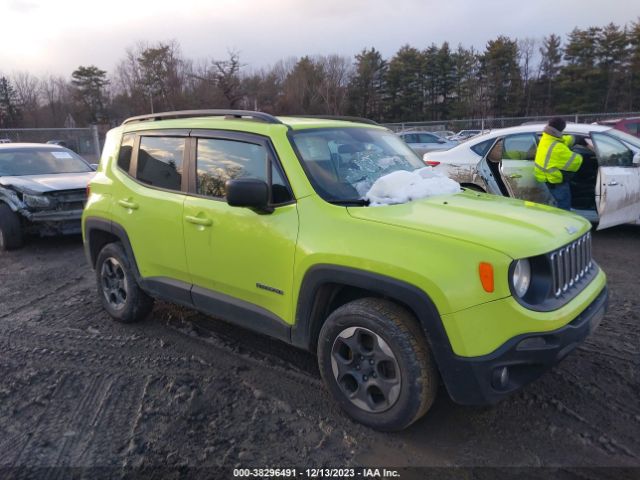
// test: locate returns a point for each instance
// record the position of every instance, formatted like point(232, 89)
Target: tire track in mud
point(182, 389)
point(115, 382)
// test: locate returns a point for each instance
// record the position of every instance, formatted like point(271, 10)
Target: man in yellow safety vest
point(554, 159)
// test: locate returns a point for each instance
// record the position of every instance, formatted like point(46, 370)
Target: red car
point(629, 125)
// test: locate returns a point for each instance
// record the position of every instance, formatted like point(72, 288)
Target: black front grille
point(69, 199)
point(570, 264)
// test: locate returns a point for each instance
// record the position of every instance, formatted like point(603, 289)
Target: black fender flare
point(93, 225)
point(414, 298)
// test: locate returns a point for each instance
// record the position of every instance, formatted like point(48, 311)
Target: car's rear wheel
point(121, 296)
point(376, 363)
point(10, 229)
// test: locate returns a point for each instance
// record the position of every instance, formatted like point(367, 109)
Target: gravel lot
point(181, 389)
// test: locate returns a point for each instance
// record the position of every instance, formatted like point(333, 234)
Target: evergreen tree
point(501, 77)
point(89, 83)
point(633, 68)
point(9, 110)
point(551, 53)
point(301, 88)
point(612, 55)
point(465, 74)
point(367, 87)
point(405, 81)
point(445, 68)
point(579, 80)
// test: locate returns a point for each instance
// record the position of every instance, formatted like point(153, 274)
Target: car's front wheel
point(376, 363)
point(121, 296)
point(10, 229)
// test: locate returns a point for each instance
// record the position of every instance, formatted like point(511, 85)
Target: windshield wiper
point(352, 202)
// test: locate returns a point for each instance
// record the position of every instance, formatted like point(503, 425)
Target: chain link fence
point(502, 122)
point(83, 141)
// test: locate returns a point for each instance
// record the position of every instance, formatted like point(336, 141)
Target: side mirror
point(94, 166)
point(636, 159)
point(249, 192)
point(442, 140)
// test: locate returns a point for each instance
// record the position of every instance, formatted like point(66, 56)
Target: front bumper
point(478, 380)
point(53, 222)
point(53, 215)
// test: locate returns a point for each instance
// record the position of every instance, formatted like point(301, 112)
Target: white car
point(605, 190)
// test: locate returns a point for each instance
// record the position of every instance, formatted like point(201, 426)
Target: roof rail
point(264, 117)
point(339, 117)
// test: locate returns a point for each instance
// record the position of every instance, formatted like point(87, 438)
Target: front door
point(517, 169)
point(618, 184)
point(234, 251)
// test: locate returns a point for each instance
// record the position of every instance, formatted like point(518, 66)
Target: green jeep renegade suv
point(261, 221)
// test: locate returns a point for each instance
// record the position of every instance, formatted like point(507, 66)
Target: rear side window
point(483, 147)
point(160, 162)
point(220, 160)
point(126, 148)
point(520, 147)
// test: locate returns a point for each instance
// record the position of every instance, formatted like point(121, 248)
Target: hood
point(516, 228)
point(48, 183)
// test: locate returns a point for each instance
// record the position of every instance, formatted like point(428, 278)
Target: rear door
point(517, 169)
point(148, 201)
point(618, 184)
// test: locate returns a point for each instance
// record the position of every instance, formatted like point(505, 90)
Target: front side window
point(629, 140)
point(160, 162)
point(611, 152)
point(343, 163)
point(219, 160)
point(427, 138)
point(519, 147)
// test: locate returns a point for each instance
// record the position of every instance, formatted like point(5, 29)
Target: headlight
point(521, 277)
point(36, 201)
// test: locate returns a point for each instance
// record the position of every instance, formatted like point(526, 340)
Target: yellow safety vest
point(553, 156)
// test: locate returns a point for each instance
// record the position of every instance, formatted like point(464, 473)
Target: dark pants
point(562, 193)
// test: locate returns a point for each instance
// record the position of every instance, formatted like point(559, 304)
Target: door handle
point(205, 222)
point(613, 183)
point(515, 175)
point(128, 204)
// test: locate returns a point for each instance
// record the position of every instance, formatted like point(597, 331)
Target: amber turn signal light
point(486, 276)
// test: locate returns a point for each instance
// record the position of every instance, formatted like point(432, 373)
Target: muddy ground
point(181, 389)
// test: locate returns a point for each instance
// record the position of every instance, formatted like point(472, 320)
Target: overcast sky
point(56, 36)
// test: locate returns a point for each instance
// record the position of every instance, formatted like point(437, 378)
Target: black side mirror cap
point(249, 192)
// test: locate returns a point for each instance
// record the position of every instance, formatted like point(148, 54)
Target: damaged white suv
point(42, 191)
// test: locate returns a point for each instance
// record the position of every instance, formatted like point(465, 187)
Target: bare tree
point(336, 74)
point(27, 89)
point(56, 92)
point(526, 51)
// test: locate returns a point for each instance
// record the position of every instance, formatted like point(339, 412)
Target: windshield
point(41, 161)
point(630, 140)
point(343, 163)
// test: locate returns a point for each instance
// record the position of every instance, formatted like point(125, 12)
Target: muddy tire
point(10, 229)
point(375, 361)
point(121, 296)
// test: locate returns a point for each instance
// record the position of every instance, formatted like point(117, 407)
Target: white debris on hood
point(402, 186)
